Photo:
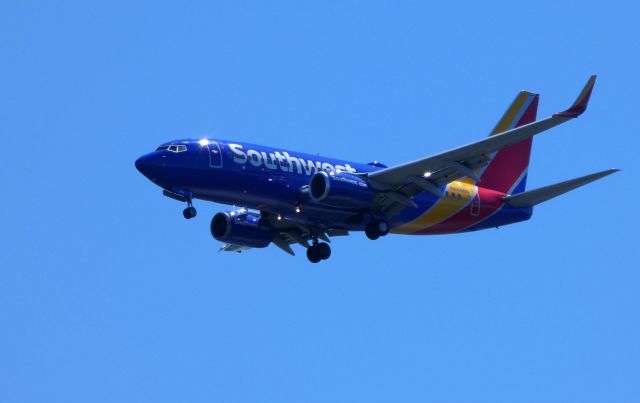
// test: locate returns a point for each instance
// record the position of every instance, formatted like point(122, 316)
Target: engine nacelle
point(240, 228)
point(340, 189)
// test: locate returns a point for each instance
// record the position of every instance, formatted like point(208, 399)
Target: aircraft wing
point(287, 233)
point(403, 181)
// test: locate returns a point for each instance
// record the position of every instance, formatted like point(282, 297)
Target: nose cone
point(141, 163)
point(146, 165)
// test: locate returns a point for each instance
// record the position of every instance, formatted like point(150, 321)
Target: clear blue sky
point(108, 295)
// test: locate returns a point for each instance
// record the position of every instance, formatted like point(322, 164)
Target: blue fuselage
point(267, 179)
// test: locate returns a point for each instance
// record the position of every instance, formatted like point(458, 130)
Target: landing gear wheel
point(376, 229)
point(189, 212)
point(371, 232)
point(318, 252)
point(313, 255)
point(382, 227)
point(324, 250)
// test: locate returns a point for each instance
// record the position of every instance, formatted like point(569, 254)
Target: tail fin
point(507, 171)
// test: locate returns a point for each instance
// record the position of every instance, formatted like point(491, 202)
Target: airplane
point(289, 197)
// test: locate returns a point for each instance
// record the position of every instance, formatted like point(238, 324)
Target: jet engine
point(240, 228)
point(340, 189)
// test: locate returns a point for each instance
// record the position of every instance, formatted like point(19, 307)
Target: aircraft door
point(475, 204)
point(215, 155)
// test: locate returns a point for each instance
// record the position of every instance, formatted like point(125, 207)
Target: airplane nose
point(145, 165)
point(140, 164)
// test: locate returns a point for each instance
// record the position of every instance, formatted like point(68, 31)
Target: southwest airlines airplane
point(290, 198)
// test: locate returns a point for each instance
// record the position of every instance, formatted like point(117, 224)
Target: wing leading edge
point(450, 165)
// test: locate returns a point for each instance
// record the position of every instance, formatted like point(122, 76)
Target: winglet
point(580, 104)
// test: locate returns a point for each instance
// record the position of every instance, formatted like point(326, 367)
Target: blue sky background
point(108, 295)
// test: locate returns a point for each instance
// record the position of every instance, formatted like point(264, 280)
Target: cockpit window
point(174, 148)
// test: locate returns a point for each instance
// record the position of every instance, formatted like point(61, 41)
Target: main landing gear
point(376, 228)
point(190, 211)
point(318, 251)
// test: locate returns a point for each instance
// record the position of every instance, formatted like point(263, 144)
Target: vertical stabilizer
point(507, 171)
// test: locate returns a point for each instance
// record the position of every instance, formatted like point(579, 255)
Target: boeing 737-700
point(288, 197)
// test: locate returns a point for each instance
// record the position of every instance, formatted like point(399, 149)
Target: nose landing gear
point(189, 212)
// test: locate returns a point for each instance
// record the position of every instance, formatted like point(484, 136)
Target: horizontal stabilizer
point(533, 197)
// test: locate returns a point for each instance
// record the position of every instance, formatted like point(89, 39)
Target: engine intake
point(240, 228)
point(340, 189)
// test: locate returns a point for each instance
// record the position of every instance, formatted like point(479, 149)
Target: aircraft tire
point(324, 250)
point(382, 227)
point(313, 255)
point(189, 212)
point(371, 232)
